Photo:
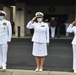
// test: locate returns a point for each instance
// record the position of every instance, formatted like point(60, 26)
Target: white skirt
point(39, 49)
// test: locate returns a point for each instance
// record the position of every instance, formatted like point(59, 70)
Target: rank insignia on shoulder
point(4, 23)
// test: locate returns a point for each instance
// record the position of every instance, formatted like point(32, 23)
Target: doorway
point(61, 18)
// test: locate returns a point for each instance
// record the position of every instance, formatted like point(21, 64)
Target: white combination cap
point(39, 14)
point(3, 13)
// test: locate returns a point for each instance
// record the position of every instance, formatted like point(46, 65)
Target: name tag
point(42, 25)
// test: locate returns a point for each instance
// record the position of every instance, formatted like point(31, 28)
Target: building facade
point(21, 14)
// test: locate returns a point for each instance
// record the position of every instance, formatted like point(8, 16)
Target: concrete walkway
point(32, 72)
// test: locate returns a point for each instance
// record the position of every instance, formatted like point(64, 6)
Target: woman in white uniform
point(70, 29)
point(40, 39)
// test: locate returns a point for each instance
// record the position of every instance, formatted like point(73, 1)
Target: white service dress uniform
point(5, 36)
point(71, 29)
point(40, 38)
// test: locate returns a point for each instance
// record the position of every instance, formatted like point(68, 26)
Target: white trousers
point(53, 32)
point(74, 57)
point(3, 54)
point(67, 34)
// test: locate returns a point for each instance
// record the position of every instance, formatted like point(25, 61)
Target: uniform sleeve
point(70, 28)
point(47, 34)
point(30, 25)
point(9, 32)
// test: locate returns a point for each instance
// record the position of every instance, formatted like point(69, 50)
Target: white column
point(7, 10)
point(14, 12)
point(20, 18)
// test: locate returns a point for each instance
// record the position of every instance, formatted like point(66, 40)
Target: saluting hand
point(73, 23)
point(34, 19)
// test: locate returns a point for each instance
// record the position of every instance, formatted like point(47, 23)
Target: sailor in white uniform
point(53, 24)
point(5, 38)
point(40, 39)
point(66, 26)
point(70, 29)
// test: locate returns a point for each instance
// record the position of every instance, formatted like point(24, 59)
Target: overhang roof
point(39, 2)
